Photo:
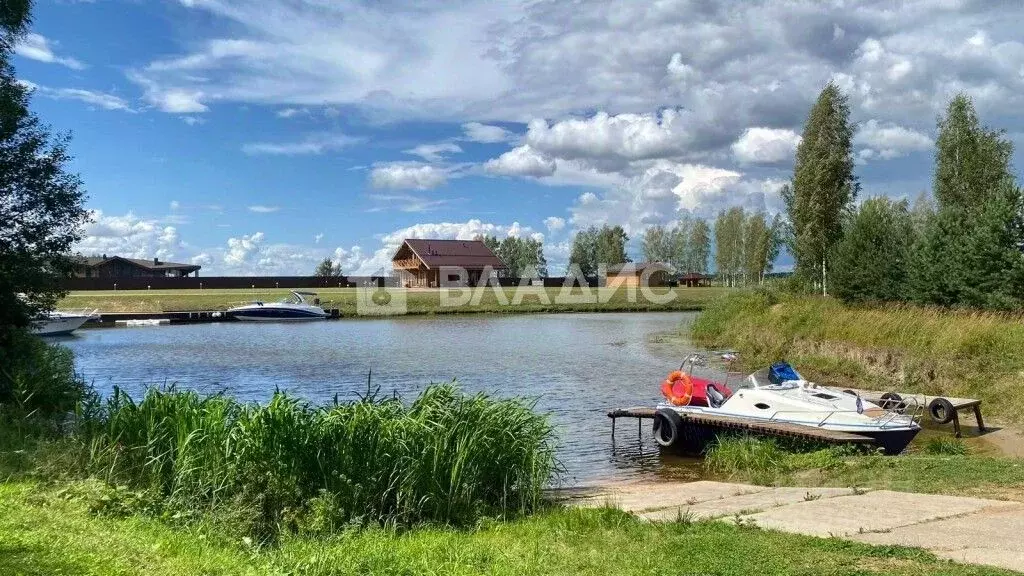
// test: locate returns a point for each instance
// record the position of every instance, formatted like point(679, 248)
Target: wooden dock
point(713, 424)
point(934, 406)
point(174, 317)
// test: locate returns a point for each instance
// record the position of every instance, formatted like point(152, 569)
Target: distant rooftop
point(462, 253)
point(638, 267)
point(154, 264)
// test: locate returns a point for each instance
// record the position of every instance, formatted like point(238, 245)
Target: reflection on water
point(578, 366)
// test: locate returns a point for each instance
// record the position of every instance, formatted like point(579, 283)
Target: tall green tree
point(698, 247)
point(971, 249)
point(584, 251)
point(595, 246)
point(761, 243)
point(668, 245)
point(524, 257)
point(327, 269)
point(41, 212)
point(824, 185)
point(658, 244)
point(611, 245)
point(680, 252)
point(729, 245)
point(870, 263)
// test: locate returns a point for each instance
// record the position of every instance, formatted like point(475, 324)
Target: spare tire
point(941, 411)
point(668, 426)
point(893, 401)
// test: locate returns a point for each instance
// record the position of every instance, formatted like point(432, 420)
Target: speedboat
point(779, 394)
point(61, 322)
point(298, 306)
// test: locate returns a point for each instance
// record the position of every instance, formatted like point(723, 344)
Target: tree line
point(963, 245)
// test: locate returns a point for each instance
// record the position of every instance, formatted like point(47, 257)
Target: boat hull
point(59, 325)
point(892, 440)
point(272, 314)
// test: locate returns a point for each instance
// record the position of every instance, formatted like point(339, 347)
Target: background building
point(429, 263)
point(119, 267)
point(637, 273)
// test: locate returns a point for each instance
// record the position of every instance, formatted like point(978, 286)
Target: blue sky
point(259, 137)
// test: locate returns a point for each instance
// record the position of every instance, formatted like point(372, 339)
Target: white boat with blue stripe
point(780, 394)
point(297, 307)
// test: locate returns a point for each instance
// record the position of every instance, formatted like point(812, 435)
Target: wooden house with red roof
point(433, 263)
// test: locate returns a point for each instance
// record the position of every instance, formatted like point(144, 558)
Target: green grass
point(940, 470)
point(931, 351)
point(419, 301)
point(45, 532)
point(288, 466)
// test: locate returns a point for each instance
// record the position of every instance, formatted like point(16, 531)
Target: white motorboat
point(779, 394)
point(61, 322)
point(298, 306)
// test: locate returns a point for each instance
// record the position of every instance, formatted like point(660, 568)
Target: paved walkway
point(964, 529)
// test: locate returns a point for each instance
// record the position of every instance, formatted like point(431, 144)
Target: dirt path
point(972, 530)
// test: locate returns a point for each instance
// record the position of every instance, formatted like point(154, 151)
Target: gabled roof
point(638, 267)
point(460, 253)
point(94, 261)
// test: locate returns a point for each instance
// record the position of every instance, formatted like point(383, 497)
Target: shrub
point(38, 380)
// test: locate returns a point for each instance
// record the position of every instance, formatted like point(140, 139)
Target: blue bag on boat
point(779, 372)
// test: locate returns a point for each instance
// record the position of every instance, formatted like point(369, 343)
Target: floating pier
point(698, 430)
point(182, 317)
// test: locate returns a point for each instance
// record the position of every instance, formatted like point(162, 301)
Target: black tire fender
point(668, 426)
point(941, 411)
point(893, 401)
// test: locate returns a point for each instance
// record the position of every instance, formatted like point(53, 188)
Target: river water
point(578, 366)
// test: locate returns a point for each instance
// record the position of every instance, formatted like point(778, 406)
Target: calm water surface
point(578, 366)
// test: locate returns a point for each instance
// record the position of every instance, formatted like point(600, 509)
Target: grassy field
point(416, 301)
point(938, 352)
point(44, 531)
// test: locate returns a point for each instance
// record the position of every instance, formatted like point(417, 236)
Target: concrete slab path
point(973, 530)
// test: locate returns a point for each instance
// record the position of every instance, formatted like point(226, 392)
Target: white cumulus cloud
point(554, 223)
point(765, 145)
point(408, 176)
point(521, 161)
point(888, 140)
point(485, 133)
point(617, 137)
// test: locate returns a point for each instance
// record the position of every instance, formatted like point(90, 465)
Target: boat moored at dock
point(778, 395)
point(61, 322)
point(297, 307)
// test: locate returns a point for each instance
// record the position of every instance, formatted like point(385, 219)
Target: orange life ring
point(677, 388)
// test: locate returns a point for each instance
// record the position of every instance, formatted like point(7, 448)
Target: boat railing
point(90, 312)
point(890, 419)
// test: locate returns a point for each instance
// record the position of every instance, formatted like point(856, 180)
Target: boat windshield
point(775, 375)
point(293, 298)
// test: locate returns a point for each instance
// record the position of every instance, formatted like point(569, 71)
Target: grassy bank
point(957, 353)
point(289, 467)
point(417, 301)
point(50, 531)
point(941, 466)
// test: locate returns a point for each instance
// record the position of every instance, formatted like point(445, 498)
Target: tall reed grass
point(446, 457)
point(935, 351)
